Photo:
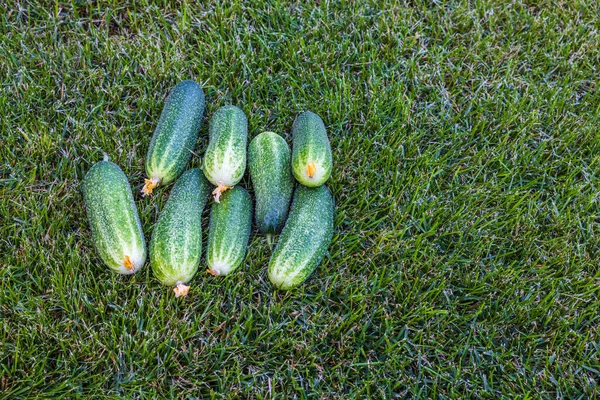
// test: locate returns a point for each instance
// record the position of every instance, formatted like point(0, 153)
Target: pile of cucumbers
point(302, 215)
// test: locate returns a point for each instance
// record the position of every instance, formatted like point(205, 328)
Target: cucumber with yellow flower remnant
point(225, 157)
point(229, 231)
point(175, 136)
point(176, 244)
point(113, 217)
point(311, 152)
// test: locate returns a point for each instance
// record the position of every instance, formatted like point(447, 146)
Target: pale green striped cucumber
point(271, 173)
point(311, 151)
point(225, 157)
point(113, 217)
point(305, 237)
point(176, 245)
point(175, 136)
point(229, 231)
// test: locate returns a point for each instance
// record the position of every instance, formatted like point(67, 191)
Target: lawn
point(466, 146)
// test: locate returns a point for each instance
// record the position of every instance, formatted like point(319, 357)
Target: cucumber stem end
point(220, 189)
point(311, 169)
point(149, 184)
point(181, 289)
point(127, 263)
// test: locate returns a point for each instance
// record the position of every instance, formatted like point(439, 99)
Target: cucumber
point(175, 136)
point(225, 157)
point(272, 180)
point(176, 244)
point(311, 152)
point(305, 237)
point(229, 231)
point(113, 217)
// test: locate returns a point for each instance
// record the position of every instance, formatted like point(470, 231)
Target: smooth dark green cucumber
point(311, 152)
point(269, 162)
point(225, 157)
point(305, 237)
point(113, 217)
point(229, 231)
point(175, 136)
point(176, 245)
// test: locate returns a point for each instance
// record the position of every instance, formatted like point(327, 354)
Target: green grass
point(466, 143)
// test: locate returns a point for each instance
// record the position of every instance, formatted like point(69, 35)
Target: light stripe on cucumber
point(176, 244)
point(225, 158)
point(311, 152)
point(113, 217)
point(175, 136)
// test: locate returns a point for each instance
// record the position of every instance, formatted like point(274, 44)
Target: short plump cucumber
point(225, 157)
point(175, 136)
point(311, 152)
point(113, 217)
point(229, 231)
point(176, 245)
point(305, 237)
point(271, 173)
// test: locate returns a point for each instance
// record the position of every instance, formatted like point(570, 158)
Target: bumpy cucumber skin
point(269, 162)
point(311, 145)
point(176, 134)
point(114, 220)
point(305, 237)
point(229, 231)
point(176, 244)
point(225, 157)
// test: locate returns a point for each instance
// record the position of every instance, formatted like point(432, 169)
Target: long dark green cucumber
point(175, 136)
point(113, 217)
point(269, 162)
point(311, 152)
point(305, 237)
point(229, 231)
point(176, 245)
